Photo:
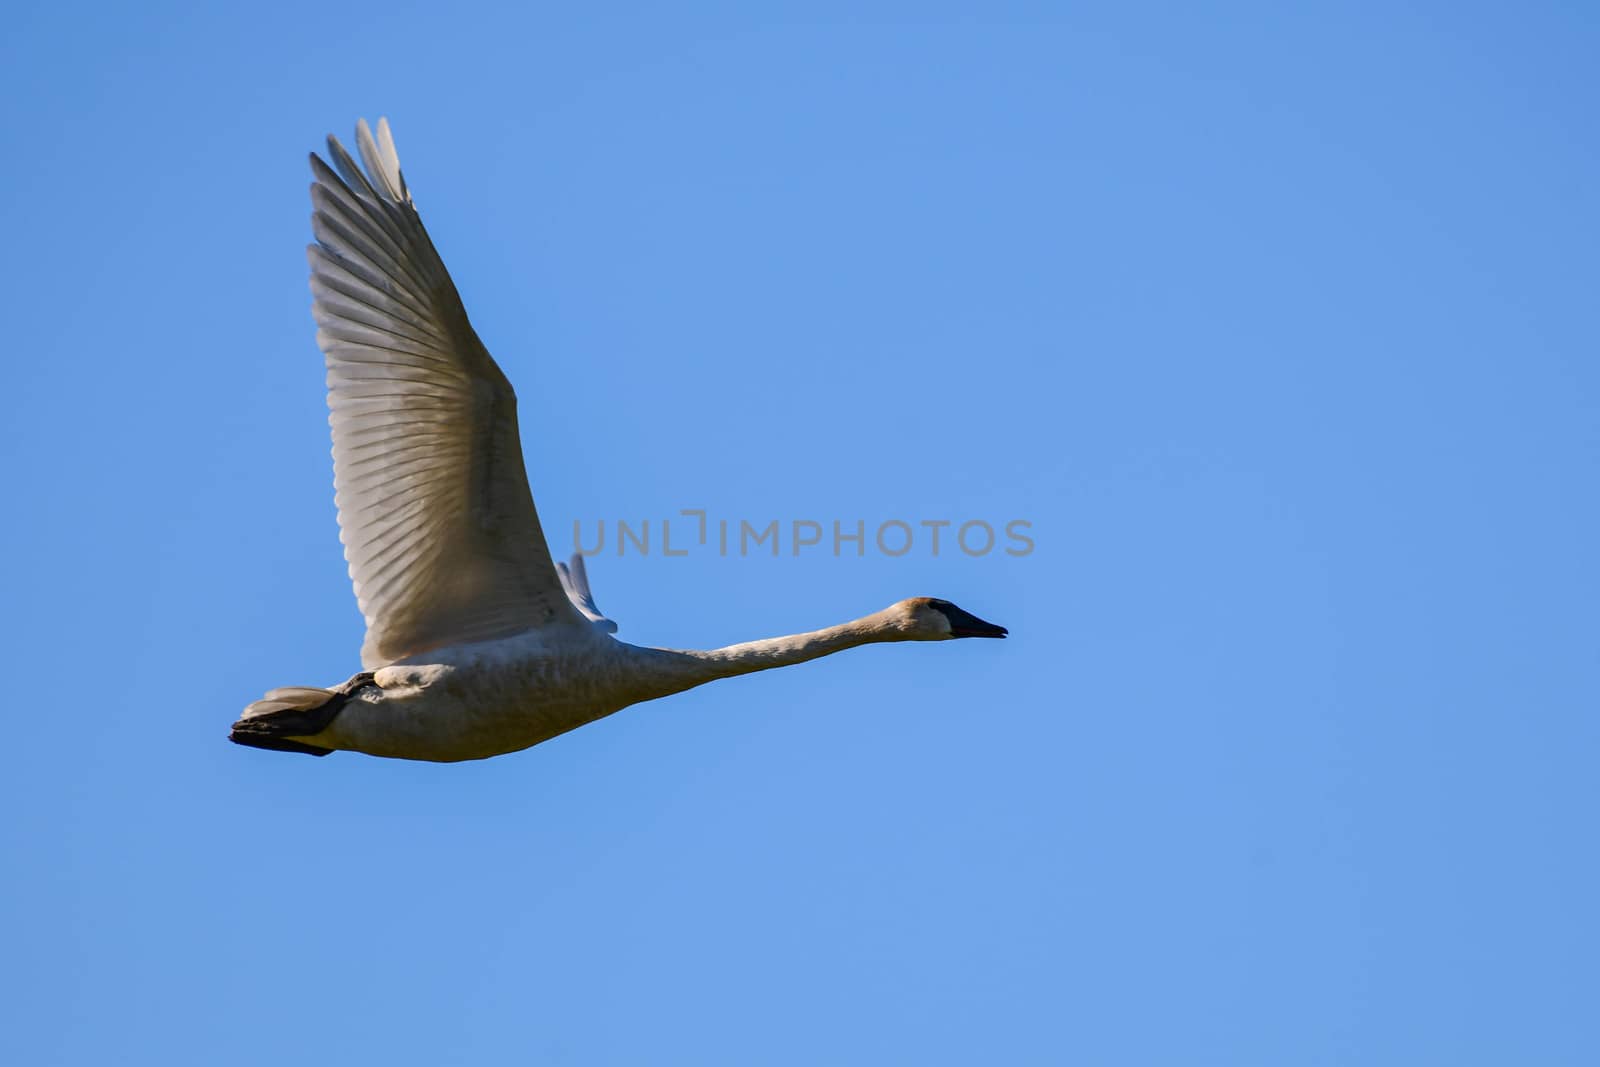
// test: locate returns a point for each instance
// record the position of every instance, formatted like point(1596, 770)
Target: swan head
point(926, 618)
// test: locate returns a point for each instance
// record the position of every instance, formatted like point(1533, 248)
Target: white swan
point(477, 644)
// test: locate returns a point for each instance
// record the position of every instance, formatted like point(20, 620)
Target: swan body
point(477, 644)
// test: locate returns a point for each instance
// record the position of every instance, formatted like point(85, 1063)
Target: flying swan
point(477, 643)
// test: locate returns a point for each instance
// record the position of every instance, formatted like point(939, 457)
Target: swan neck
point(678, 670)
point(793, 648)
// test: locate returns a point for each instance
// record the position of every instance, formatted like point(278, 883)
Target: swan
point(477, 642)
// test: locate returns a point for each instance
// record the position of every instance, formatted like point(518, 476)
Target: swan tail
point(274, 721)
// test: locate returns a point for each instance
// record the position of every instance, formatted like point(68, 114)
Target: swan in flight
point(477, 642)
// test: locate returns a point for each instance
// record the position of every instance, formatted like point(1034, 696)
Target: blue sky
point(1276, 324)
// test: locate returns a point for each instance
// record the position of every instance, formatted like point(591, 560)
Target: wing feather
point(438, 524)
point(575, 580)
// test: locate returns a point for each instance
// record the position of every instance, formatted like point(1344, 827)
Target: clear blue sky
point(1278, 326)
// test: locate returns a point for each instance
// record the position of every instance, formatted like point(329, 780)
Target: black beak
point(964, 625)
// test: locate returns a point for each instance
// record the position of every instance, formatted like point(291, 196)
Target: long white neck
point(662, 671)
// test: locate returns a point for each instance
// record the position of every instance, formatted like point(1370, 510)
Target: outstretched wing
point(438, 524)
point(575, 580)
